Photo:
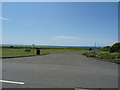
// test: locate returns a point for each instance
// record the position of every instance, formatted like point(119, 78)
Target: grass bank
point(105, 55)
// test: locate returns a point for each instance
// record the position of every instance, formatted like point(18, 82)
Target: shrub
point(11, 46)
point(98, 56)
point(113, 57)
point(117, 55)
point(107, 48)
point(117, 61)
point(84, 53)
point(91, 55)
point(115, 48)
point(107, 56)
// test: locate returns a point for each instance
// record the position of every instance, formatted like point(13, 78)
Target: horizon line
point(54, 45)
point(59, 0)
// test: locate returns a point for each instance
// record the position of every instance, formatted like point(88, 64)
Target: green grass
point(15, 52)
point(7, 52)
point(106, 55)
point(51, 51)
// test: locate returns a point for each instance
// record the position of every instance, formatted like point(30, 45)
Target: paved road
point(68, 70)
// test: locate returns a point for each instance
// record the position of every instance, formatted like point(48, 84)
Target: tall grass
point(113, 57)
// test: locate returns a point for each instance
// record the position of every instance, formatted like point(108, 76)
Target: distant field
point(13, 52)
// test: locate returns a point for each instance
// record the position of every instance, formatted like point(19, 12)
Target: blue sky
point(60, 23)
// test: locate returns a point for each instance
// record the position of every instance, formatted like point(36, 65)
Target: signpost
point(95, 48)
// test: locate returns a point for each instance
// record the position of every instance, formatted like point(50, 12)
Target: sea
point(50, 46)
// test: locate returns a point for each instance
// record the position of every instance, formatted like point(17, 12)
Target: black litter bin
point(37, 51)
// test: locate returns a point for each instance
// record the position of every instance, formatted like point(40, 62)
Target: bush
point(107, 48)
point(115, 48)
point(113, 57)
point(11, 46)
point(117, 61)
point(117, 55)
point(107, 56)
point(99, 56)
point(91, 54)
point(84, 53)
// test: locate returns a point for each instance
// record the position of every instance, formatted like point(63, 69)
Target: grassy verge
point(105, 55)
point(6, 52)
point(17, 51)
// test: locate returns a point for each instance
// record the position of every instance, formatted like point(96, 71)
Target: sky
point(60, 23)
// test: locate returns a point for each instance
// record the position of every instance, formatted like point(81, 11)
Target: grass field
point(6, 52)
point(14, 52)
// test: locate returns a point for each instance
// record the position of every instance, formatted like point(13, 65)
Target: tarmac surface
point(63, 70)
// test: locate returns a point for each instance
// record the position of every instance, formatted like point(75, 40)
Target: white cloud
point(2, 18)
point(65, 37)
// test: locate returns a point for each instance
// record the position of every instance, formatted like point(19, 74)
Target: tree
point(106, 48)
point(11, 46)
point(115, 48)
